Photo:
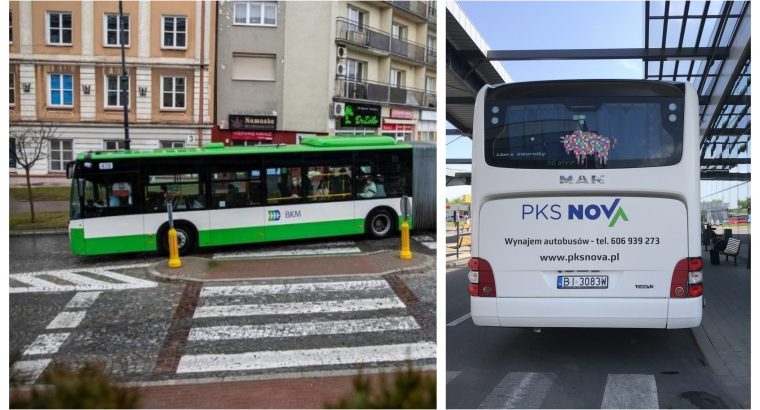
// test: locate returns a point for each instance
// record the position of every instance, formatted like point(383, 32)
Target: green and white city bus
point(327, 186)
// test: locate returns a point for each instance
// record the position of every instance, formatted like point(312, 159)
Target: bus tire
point(380, 223)
point(187, 238)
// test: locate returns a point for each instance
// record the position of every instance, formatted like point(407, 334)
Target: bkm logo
point(274, 215)
point(554, 212)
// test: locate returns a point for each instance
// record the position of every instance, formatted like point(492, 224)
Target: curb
point(457, 263)
point(428, 263)
point(31, 232)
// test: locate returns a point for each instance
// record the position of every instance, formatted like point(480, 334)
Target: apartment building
point(286, 69)
point(65, 63)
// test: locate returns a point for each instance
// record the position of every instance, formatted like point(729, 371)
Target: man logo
point(274, 215)
point(594, 179)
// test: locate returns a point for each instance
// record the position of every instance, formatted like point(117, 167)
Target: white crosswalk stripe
point(528, 390)
point(75, 280)
point(329, 248)
point(26, 371)
point(426, 241)
point(324, 324)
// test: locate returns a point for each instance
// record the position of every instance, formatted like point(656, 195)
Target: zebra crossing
point(302, 326)
point(79, 280)
point(528, 390)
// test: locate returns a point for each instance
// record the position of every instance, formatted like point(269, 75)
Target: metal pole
point(124, 78)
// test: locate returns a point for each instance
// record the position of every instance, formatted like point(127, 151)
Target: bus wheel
point(380, 223)
point(185, 238)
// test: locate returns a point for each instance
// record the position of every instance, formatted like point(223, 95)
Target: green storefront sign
point(360, 115)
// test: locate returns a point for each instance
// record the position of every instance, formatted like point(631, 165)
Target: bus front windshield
point(584, 133)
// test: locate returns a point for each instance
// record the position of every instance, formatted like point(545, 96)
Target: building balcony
point(432, 14)
point(350, 32)
point(416, 8)
point(384, 93)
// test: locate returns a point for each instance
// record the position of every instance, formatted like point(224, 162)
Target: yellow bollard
point(174, 261)
point(406, 252)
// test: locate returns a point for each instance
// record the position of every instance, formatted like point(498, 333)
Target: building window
point(174, 32)
point(431, 45)
point(356, 19)
point(61, 90)
point(10, 27)
point(60, 153)
point(12, 147)
point(173, 92)
point(254, 67)
point(172, 144)
point(399, 31)
point(429, 84)
point(113, 91)
point(114, 145)
point(397, 78)
point(354, 69)
point(256, 13)
point(12, 89)
point(59, 28)
point(111, 24)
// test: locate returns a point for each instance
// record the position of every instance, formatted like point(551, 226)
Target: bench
point(465, 240)
point(732, 249)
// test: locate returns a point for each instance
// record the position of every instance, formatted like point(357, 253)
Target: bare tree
point(32, 146)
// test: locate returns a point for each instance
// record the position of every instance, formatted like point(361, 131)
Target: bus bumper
point(685, 313)
point(576, 312)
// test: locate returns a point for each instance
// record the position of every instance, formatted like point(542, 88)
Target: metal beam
point(460, 100)
point(452, 131)
point(724, 131)
point(651, 54)
point(459, 161)
point(725, 176)
point(725, 161)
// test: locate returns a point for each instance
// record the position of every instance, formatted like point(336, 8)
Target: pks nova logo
point(273, 215)
point(613, 212)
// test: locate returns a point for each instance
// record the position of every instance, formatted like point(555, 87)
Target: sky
point(531, 25)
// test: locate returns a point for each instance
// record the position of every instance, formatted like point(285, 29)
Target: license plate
point(582, 282)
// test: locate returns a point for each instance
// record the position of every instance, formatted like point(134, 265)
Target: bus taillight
point(482, 283)
point(687, 278)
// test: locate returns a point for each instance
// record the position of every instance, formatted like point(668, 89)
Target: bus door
point(112, 218)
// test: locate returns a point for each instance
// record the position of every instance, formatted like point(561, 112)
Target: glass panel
point(66, 144)
point(696, 8)
point(55, 20)
point(240, 13)
point(68, 98)
point(67, 82)
point(674, 33)
point(655, 31)
point(179, 84)
point(181, 39)
point(167, 84)
point(329, 183)
point(270, 13)
point(113, 99)
point(111, 22)
point(179, 101)
point(168, 24)
point(181, 24)
point(676, 8)
point(55, 36)
point(55, 97)
point(168, 39)
point(66, 18)
point(168, 103)
point(597, 132)
point(255, 13)
point(111, 38)
point(126, 23)
point(283, 185)
point(55, 155)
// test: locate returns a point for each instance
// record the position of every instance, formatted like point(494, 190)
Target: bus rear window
point(584, 133)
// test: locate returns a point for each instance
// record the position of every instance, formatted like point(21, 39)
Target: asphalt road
point(571, 368)
point(145, 330)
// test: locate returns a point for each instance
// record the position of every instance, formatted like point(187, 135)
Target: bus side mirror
point(70, 169)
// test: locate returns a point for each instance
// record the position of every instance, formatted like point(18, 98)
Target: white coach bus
point(585, 205)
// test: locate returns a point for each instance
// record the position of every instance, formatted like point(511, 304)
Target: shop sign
point(252, 135)
point(402, 114)
point(427, 115)
point(360, 115)
point(398, 127)
point(253, 122)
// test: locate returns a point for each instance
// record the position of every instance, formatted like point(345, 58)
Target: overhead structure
point(706, 43)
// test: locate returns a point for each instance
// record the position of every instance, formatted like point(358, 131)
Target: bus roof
point(308, 144)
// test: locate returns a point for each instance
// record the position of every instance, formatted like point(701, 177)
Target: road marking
point(46, 344)
point(451, 375)
point(80, 282)
point(334, 327)
point(329, 306)
point(423, 238)
point(290, 288)
point(301, 358)
point(67, 320)
point(29, 370)
point(82, 300)
point(460, 319)
point(630, 391)
point(519, 390)
point(325, 249)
